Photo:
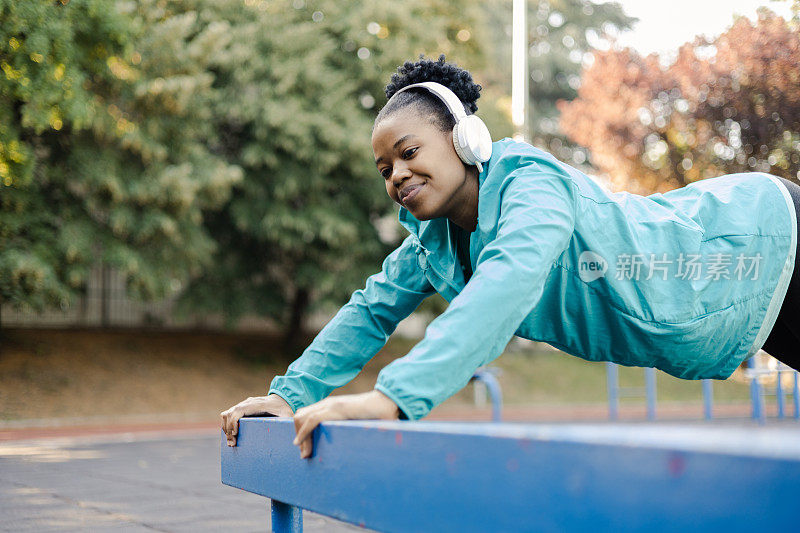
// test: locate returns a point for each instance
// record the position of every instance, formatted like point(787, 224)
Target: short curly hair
point(451, 76)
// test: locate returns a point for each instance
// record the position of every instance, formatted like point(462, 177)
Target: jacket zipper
point(430, 265)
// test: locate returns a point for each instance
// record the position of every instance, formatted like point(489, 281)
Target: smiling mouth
point(409, 193)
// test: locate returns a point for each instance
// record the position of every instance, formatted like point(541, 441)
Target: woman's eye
point(385, 172)
point(408, 153)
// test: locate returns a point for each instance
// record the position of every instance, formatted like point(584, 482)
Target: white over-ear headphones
point(471, 137)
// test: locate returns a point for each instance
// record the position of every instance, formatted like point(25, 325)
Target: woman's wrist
point(387, 409)
point(284, 407)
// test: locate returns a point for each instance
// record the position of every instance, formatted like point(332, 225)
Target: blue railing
point(488, 377)
point(452, 476)
point(615, 392)
point(753, 373)
point(758, 390)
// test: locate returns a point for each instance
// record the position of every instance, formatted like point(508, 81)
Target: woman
point(690, 281)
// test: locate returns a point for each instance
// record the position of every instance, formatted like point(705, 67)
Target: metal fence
point(106, 304)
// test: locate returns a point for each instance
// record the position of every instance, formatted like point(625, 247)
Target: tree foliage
point(104, 118)
point(724, 106)
point(49, 56)
point(298, 87)
point(223, 145)
point(562, 35)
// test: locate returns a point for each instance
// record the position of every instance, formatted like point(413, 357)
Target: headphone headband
point(447, 96)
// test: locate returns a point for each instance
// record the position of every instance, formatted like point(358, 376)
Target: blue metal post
point(755, 393)
point(650, 391)
point(708, 399)
point(286, 518)
point(495, 392)
point(612, 379)
point(779, 393)
point(795, 398)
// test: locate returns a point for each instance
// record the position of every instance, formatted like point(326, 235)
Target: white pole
point(519, 70)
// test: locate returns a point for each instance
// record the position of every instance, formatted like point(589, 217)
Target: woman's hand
point(253, 406)
point(368, 405)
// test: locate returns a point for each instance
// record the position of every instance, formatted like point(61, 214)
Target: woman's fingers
point(234, 426)
point(306, 448)
point(305, 421)
point(230, 417)
point(227, 419)
point(223, 416)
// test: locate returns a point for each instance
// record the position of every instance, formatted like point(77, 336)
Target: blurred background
point(187, 192)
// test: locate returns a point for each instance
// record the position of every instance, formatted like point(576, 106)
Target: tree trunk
point(105, 281)
point(294, 329)
point(83, 318)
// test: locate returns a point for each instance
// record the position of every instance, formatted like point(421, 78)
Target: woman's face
point(419, 165)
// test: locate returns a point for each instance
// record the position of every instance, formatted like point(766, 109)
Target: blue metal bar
point(612, 381)
point(756, 396)
point(650, 388)
point(756, 399)
point(450, 476)
point(779, 393)
point(286, 518)
point(708, 399)
point(795, 396)
point(495, 392)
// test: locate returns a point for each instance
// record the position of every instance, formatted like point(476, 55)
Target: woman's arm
point(536, 224)
point(357, 331)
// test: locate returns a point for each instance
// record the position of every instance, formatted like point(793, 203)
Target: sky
point(664, 26)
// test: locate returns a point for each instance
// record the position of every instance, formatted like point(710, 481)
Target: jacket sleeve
point(536, 222)
point(357, 331)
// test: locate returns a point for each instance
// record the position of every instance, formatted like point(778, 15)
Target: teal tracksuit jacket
point(689, 281)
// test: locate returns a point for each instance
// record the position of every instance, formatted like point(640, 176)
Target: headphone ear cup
point(472, 141)
point(476, 139)
point(459, 144)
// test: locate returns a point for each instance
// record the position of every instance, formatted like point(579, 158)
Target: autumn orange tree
point(726, 105)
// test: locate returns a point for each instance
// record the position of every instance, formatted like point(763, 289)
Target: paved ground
point(128, 482)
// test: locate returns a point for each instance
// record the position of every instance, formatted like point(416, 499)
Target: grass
point(540, 374)
point(96, 373)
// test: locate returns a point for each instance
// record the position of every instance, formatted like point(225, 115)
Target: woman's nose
point(399, 174)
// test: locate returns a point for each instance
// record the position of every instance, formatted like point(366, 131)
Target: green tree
point(561, 37)
point(103, 125)
point(50, 54)
point(298, 89)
